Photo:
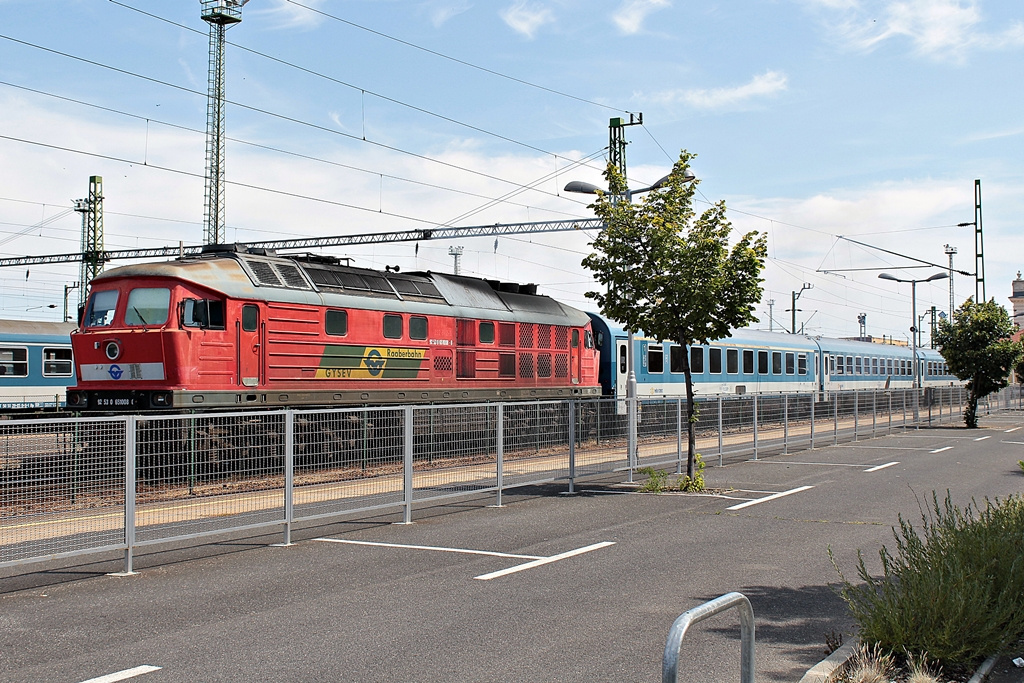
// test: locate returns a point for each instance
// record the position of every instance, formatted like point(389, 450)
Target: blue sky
point(869, 119)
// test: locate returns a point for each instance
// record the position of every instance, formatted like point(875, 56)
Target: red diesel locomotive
point(235, 327)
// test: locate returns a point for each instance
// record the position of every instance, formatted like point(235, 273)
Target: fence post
point(679, 435)
point(889, 394)
point(874, 411)
point(835, 418)
point(785, 424)
point(572, 450)
point(289, 475)
point(719, 431)
point(812, 420)
point(407, 466)
point(856, 414)
point(755, 426)
point(130, 427)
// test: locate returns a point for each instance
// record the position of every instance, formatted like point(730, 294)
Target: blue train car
point(753, 361)
point(36, 365)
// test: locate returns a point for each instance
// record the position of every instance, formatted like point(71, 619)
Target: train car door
point(575, 356)
point(249, 347)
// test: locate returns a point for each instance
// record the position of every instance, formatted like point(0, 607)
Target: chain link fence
point(74, 486)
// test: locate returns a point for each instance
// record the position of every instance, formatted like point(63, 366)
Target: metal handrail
point(670, 661)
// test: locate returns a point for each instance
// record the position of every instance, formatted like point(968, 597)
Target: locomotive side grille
point(525, 365)
point(507, 365)
point(264, 273)
point(561, 365)
point(526, 335)
point(561, 337)
point(543, 364)
point(291, 275)
point(443, 363)
point(543, 336)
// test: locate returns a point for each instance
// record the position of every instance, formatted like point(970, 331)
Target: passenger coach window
point(857, 364)
point(393, 326)
point(696, 360)
point(715, 361)
point(655, 360)
point(622, 359)
point(790, 363)
point(762, 362)
point(57, 362)
point(486, 333)
point(849, 365)
point(250, 317)
point(13, 362)
point(336, 323)
point(417, 327)
point(732, 361)
point(675, 359)
point(101, 308)
point(748, 362)
point(147, 306)
point(801, 363)
point(776, 362)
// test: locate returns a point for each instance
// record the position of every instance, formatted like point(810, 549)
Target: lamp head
point(582, 187)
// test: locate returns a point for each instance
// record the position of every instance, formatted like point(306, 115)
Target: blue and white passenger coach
point(35, 363)
point(753, 361)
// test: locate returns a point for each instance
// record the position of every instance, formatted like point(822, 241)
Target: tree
point(977, 347)
point(671, 274)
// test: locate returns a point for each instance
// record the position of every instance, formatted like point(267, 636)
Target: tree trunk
point(691, 437)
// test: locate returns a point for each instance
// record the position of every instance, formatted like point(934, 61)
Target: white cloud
point(440, 11)
point(767, 84)
point(630, 17)
point(526, 17)
point(287, 15)
point(944, 30)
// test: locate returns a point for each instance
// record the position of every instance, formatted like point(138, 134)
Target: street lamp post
point(631, 403)
point(915, 369)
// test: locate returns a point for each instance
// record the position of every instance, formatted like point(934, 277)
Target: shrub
point(956, 591)
point(696, 484)
point(656, 480)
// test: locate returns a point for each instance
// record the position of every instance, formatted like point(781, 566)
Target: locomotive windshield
point(102, 306)
point(148, 306)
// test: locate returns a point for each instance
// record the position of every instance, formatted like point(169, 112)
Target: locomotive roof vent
point(266, 273)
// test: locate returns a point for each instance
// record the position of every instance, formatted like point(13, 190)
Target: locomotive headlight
point(112, 349)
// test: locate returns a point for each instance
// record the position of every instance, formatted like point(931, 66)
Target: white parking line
point(543, 561)
point(982, 438)
point(1013, 429)
point(431, 547)
point(124, 675)
point(881, 467)
point(1016, 443)
point(767, 498)
point(944, 448)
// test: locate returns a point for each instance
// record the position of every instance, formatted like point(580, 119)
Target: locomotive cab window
point(13, 361)
point(250, 317)
point(102, 306)
point(417, 327)
point(207, 314)
point(147, 306)
point(655, 360)
point(588, 339)
point(393, 326)
point(486, 333)
point(57, 361)
point(336, 323)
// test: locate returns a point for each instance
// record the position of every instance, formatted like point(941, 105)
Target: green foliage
point(956, 591)
point(1021, 464)
point(977, 347)
point(671, 274)
point(694, 484)
point(657, 481)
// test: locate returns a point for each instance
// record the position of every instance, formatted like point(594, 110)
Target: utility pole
point(220, 15)
point(979, 247)
point(67, 289)
point(771, 318)
point(950, 251)
point(457, 253)
point(863, 320)
point(93, 255)
point(796, 295)
point(931, 339)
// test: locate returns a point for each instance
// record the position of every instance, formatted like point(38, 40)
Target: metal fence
point(74, 486)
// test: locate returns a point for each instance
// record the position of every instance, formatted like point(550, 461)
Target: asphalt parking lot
point(549, 587)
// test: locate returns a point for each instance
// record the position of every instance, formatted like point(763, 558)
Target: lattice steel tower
point(93, 255)
point(220, 14)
